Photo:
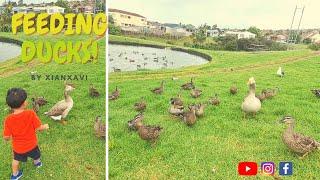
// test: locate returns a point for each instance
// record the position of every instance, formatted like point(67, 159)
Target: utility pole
point(294, 32)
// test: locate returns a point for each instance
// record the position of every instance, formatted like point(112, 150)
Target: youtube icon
point(247, 168)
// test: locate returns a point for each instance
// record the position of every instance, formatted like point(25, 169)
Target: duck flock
point(298, 143)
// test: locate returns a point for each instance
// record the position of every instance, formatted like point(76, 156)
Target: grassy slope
point(71, 151)
point(222, 138)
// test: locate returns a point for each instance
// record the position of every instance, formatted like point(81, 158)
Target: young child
point(21, 127)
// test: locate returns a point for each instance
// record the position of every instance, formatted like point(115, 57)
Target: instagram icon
point(268, 168)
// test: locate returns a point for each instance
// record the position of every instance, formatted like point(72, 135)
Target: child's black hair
point(16, 97)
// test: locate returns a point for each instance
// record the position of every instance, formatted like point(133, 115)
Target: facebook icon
point(285, 168)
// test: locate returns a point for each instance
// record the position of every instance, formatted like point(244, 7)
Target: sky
point(264, 14)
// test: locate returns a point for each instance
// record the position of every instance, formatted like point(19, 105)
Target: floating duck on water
point(62, 108)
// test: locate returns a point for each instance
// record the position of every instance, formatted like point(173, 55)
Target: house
point(213, 32)
point(124, 18)
point(177, 31)
point(278, 38)
point(47, 9)
point(315, 38)
point(240, 34)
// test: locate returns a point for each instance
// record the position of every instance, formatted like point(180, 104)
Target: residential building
point(177, 31)
point(47, 9)
point(124, 18)
point(213, 32)
point(241, 34)
point(315, 38)
point(278, 38)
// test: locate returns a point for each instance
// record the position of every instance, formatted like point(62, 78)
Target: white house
point(177, 31)
point(213, 33)
point(47, 9)
point(241, 35)
point(315, 38)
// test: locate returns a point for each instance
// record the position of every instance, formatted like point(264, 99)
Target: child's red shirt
point(22, 128)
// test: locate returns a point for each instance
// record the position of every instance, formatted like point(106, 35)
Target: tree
point(110, 19)
point(201, 33)
point(64, 4)
point(255, 31)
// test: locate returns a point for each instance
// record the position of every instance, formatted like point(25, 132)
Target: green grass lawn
point(221, 139)
point(71, 151)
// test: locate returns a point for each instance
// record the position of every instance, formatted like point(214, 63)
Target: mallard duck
point(177, 100)
point(159, 90)
point(141, 105)
point(115, 94)
point(176, 110)
point(132, 124)
point(298, 143)
point(200, 109)
point(316, 92)
point(214, 100)
point(190, 117)
point(35, 105)
point(93, 92)
point(261, 96)
point(60, 110)
point(233, 90)
point(280, 72)
point(41, 101)
point(148, 133)
point(251, 103)
point(99, 128)
point(188, 86)
point(195, 93)
point(269, 93)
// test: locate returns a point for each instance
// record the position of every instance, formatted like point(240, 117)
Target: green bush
point(315, 47)
point(114, 30)
point(5, 28)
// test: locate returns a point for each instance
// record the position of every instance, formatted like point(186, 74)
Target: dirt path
point(194, 72)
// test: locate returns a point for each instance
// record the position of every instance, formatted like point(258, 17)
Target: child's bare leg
point(15, 167)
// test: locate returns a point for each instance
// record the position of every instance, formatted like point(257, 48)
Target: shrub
point(114, 30)
point(315, 47)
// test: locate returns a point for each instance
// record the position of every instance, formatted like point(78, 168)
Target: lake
point(132, 58)
point(9, 51)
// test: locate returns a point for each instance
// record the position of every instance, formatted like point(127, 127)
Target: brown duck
point(298, 143)
point(233, 90)
point(176, 101)
point(132, 124)
point(316, 92)
point(93, 92)
point(176, 110)
point(195, 93)
point(99, 128)
point(115, 94)
point(35, 105)
point(148, 133)
point(62, 108)
point(214, 100)
point(188, 86)
point(41, 101)
point(200, 109)
point(189, 117)
point(159, 90)
point(141, 105)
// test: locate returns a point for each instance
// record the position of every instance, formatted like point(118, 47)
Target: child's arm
point(6, 138)
point(43, 127)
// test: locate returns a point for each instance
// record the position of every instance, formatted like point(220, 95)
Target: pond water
point(132, 58)
point(9, 51)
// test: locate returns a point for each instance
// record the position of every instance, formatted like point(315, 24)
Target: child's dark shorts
point(34, 154)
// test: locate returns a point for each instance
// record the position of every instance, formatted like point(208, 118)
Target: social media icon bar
point(247, 168)
point(285, 168)
point(268, 168)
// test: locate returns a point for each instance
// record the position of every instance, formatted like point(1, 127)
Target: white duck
point(280, 72)
point(60, 110)
point(251, 103)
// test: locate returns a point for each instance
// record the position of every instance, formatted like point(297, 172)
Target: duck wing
point(305, 141)
point(58, 109)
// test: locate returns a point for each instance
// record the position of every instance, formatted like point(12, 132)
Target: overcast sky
point(265, 14)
